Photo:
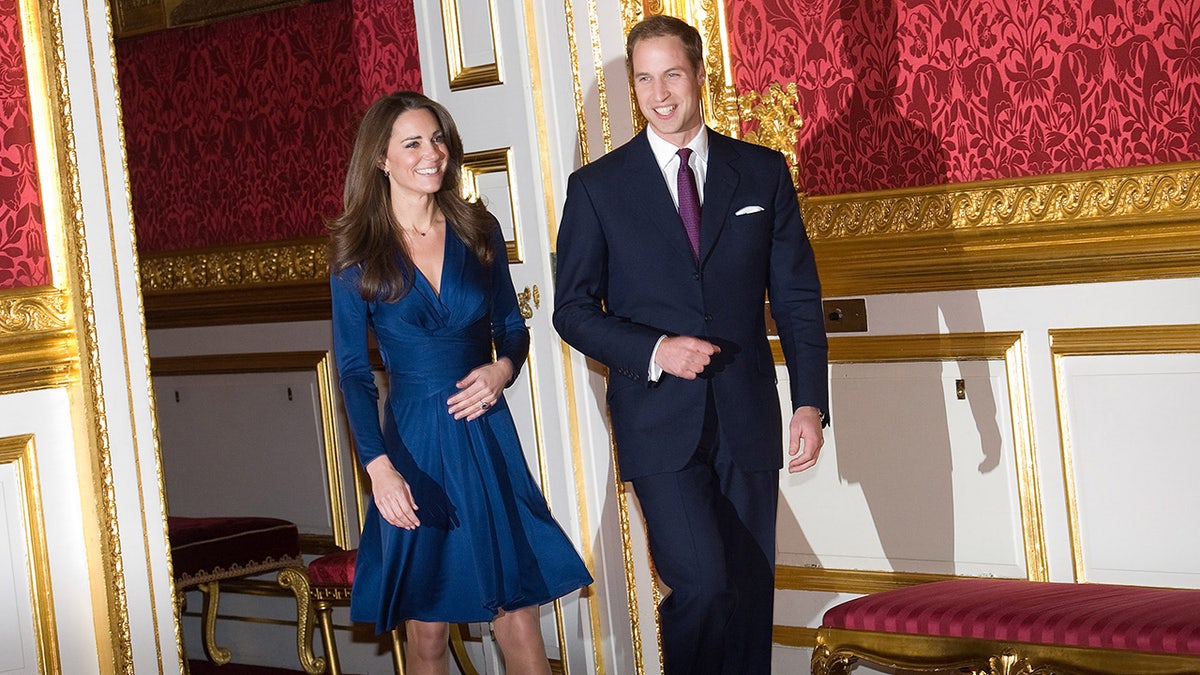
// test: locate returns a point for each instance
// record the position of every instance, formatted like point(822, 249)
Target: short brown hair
point(664, 25)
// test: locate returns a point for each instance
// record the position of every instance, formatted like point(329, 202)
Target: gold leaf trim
point(1159, 193)
point(230, 267)
point(777, 112)
point(40, 311)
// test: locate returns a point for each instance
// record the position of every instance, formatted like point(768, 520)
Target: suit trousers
point(711, 529)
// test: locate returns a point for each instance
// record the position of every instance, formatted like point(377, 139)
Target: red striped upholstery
point(335, 569)
point(1079, 615)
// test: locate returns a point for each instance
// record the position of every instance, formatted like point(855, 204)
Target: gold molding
point(601, 81)
point(19, 452)
point(576, 84)
point(497, 160)
point(1093, 226)
point(37, 341)
point(1114, 341)
point(862, 582)
point(254, 283)
point(589, 555)
point(463, 76)
point(778, 116)
point(1008, 347)
point(238, 266)
point(61, 201)
point(318, 362)
point(794, 636)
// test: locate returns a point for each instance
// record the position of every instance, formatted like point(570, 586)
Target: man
point(677, 316)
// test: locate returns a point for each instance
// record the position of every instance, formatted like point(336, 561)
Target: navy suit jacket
point(626, 276)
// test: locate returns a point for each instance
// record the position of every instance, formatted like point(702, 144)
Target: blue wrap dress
point(487, 541)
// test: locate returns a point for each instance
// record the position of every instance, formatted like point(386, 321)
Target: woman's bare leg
point(426, 653)
point(519, 633)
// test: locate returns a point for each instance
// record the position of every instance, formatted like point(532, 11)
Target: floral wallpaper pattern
point(239, 131)
point(900, 93)
point(24, 259)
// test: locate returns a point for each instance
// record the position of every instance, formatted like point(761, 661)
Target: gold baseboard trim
point(794, 636)
point(861, 582)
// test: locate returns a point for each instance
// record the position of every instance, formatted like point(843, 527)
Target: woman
point(457, 530)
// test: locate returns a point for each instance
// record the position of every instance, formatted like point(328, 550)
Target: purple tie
point(689, 201)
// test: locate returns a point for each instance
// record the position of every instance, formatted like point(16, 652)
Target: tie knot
point(684, 155)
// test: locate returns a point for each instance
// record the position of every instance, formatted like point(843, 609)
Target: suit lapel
point(650, 199)
point(720, 182)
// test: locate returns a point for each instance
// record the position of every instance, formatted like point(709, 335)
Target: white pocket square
point(748, 209)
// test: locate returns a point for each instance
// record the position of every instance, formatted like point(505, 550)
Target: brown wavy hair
point(665, 25)
point(365, 233)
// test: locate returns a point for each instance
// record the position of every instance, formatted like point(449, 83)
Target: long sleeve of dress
point(351, 318)
point(510, 336)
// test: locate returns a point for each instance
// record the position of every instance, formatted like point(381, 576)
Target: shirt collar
point(664, 151)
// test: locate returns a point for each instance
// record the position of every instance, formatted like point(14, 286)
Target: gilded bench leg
point(324, 611)
point(296, 579)
point(459, 649)
point(397, 651)
point(212, 598)
point(825, 662)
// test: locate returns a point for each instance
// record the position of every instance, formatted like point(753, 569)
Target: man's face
point(667, 88)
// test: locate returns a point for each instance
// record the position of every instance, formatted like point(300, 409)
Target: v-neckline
point(437, 290)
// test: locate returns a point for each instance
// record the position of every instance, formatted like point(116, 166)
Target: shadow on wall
point(899, 450)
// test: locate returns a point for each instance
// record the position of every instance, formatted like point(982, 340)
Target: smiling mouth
point(666, 110)
point(427, 172)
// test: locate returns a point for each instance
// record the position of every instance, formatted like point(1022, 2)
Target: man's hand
point(685, 357)
point(805, 432)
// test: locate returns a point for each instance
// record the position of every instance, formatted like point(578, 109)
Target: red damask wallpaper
point(23, 256)
point(239, 131)
point(897, 93)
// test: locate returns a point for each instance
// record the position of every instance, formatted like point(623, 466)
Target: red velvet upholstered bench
point(1015, 627)
point(332, 578)
point(207, 551)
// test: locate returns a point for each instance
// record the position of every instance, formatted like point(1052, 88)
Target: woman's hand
point(392, 495)
point(480, 389)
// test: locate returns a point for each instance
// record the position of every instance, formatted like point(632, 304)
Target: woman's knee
point(427, 641)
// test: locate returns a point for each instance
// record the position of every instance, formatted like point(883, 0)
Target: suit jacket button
point(708, 317)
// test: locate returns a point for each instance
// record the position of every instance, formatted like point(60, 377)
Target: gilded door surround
point(19, 452)
point(49, 338)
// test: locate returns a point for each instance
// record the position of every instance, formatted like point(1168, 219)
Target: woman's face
point(416, 155)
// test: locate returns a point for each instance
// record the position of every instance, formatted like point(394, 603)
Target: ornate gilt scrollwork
point(776, 111)
point(527, 296)
point(297, 580)
point(33, 313)
point(286, 262)
point(1138, 193)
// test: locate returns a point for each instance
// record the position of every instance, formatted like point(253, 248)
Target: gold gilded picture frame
point(320, 363)
point(496, 161)
point(462, 75)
